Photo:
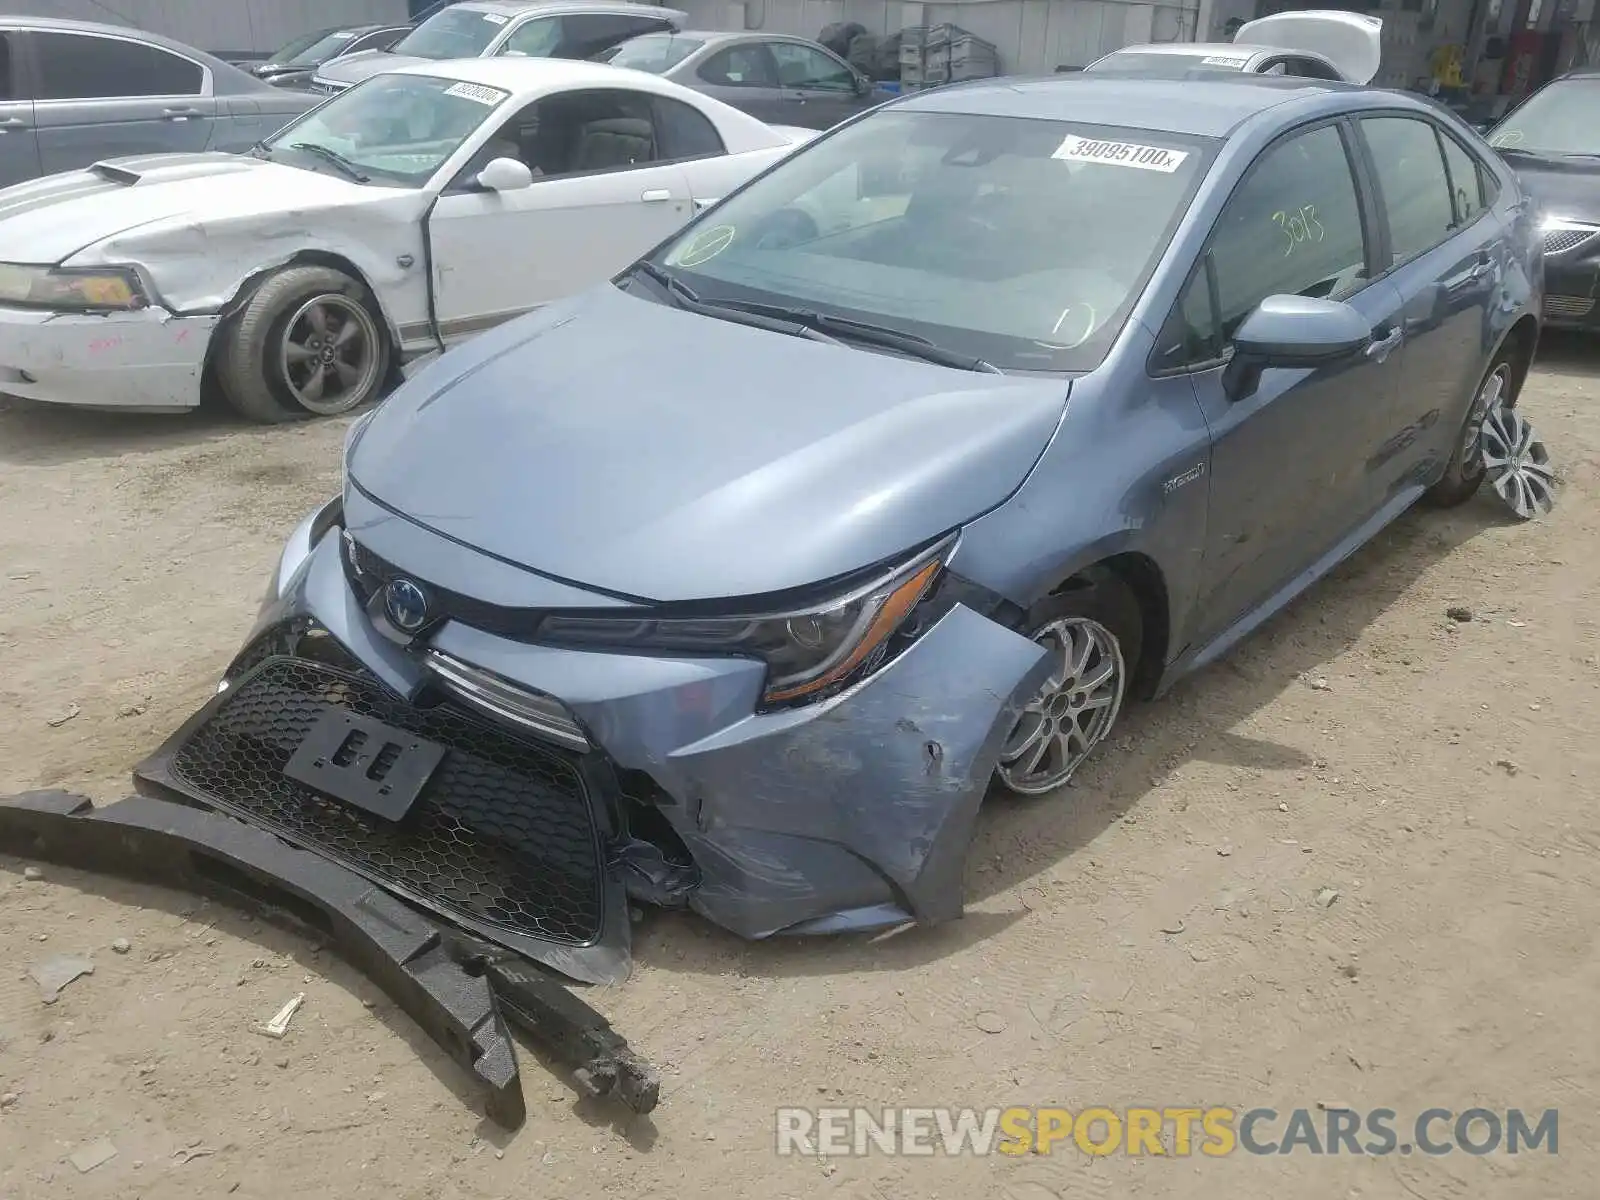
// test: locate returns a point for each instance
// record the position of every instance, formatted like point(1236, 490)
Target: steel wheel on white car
point(308, 342)
point(1092, 635)
point(330, 356)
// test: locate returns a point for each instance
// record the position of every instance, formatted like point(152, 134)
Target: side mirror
point(505, 175)
point(863, 84)
point(1293, 331)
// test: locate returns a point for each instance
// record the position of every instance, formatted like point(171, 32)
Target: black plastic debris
point(454, 987)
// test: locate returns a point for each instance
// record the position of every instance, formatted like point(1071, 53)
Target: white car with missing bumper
point(396, 219)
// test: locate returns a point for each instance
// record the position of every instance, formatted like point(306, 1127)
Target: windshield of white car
point(1563, 119)
point(393, 129)
point(320, 51)
point(653, 52)
point(1022, 243)
point(452, 33)
point(287, 52)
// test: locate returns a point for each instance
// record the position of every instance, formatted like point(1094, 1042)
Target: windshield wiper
point(334, 157)
point(685, 297)
point(865, 332)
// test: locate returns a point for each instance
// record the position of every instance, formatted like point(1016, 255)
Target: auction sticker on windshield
point(1224, 60)
point(1120, 154)
point(494, 18)
point(476, 92)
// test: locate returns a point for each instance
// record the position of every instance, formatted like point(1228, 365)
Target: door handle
point(179, 114)
point(656, 195)
point(1385, 345)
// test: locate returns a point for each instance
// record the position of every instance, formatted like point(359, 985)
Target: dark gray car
point(780, 79)
point(75, 92)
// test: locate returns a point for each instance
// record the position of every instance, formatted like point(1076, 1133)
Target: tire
point(1070, 722)
point(1465, 472)
point(273, 348)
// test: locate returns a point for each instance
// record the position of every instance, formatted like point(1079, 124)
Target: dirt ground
point(1440, 776)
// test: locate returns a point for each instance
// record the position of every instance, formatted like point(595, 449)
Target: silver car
point(77, 92)
point(487, 28)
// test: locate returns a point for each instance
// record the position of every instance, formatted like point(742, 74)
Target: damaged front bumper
point(853, 813)
point(144, 360)
point(455, 988)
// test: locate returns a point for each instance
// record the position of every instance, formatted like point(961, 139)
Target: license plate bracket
point(365, 763)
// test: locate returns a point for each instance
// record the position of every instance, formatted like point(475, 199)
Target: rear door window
point(1466, 181)
point(78, 66)
point(1412, 182)
point(740, 66)
point(684, 131)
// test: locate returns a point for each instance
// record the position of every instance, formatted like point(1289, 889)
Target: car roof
point(517, 74)
point(1203, 106)
point(1193, 49)
point(512, 7)
point(226, 77)
point(711, 36)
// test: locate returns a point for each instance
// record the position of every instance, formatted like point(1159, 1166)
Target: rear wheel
point(1093, 635)
point(308, 343)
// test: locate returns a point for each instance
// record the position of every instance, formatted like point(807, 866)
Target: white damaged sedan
point(392, 221)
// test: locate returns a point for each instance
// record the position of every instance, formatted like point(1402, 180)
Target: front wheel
point(307, 343)
point(1093, 635)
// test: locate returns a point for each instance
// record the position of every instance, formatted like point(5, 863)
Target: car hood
point(617, 443)
point(1562, 187)
point(51, 219)
point(364, 64)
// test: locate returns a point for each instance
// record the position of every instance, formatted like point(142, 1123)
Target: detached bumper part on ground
point(453, 987)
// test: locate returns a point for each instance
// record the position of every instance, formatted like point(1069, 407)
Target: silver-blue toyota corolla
point(736, 583)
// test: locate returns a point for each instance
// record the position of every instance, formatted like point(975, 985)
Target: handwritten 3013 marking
point(1300, 226)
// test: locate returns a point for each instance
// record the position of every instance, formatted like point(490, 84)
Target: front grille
point(1568, 306)
point(503, 833)
point(1559, 241)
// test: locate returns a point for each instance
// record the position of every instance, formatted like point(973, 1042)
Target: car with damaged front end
point(738, 581)
point(400, 217)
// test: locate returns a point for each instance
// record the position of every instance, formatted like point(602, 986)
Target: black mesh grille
point(503, 832)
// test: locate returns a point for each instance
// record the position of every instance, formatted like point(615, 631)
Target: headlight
point(808, 652)
point(1550, 224)
point(87, 289)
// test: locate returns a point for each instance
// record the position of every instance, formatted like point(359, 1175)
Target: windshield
point(1169, 66)
point(320, 51)
point(654, 52)
point(1020, 242)
point(289, 50)
point(394, 129)
point(1562, 119)
point(453, 33)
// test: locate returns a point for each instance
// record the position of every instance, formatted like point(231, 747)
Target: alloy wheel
point(1075, 710)
point(330, 354)
point(1518, 464)
point(1489, 398)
